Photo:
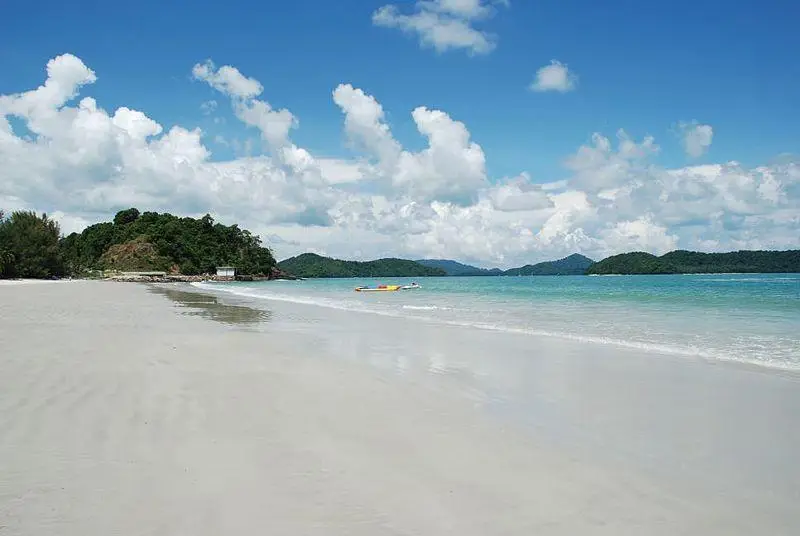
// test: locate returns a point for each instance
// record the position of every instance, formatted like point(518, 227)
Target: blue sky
point(641, 68)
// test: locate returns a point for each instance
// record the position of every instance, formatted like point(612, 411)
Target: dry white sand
point(119, 416)
point(9, 282)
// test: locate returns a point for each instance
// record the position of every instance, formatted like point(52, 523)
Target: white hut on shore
point(226, 272)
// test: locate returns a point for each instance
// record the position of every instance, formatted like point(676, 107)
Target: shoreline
point(188, 283)
point(790, 370)
point(284, 276)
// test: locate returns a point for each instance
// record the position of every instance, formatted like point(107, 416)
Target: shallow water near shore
point(750, 318)
point(212, 308)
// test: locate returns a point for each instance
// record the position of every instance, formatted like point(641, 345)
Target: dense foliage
point(29, 246)
point(6, 257)
point(455, 268)
point(575, 264)
point(313, 265)
point(153, 241)
point(691, 262)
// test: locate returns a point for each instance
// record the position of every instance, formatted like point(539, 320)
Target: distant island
point(676, 262)
point(455, 268)
point(692, 262)
point(574, 264)
point(31, 247)
point(310, 265)
point(313, 265)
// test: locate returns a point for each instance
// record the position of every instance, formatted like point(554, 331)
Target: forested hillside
point(456, 268)
point(575, 264)
point(313, 265)
point(154, 241)
point(692, 262)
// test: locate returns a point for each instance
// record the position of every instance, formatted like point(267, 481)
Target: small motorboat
point(379, 288)
point(387, 288)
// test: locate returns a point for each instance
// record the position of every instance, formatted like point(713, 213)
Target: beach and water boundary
point(746, 318)
point(303, 419)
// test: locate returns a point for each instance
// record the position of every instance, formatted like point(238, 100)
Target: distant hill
point(454, 268)
point(575, 264)
point(691, 262)
point(313, 265)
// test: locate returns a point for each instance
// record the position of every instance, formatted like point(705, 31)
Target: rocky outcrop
point(134, 255)
point(274, 274)
point(168, 278)
point(277, 273)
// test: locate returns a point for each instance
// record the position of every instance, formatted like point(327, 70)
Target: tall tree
point(126, 216)
point(30, 246)
point(6, 257)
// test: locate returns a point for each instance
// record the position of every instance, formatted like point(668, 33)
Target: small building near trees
point(226, 272)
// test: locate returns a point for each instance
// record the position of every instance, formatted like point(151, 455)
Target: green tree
point(6, 257)
point(30, 246)
point(124, 217)
point(3, 246)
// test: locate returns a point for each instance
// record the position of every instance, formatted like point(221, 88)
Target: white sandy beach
point(120, 416)
point(14, 282)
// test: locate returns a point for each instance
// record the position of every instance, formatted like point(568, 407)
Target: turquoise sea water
point(753, 318)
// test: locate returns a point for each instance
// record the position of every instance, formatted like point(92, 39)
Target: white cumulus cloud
point(696, 138)
point(273, 124)
point(364, 123)
point(444, 24)
point(452, 168)
point(82, 163)
point(554, 77)
point(227, 80)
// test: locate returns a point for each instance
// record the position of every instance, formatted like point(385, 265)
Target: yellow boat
point(387, 288)
point(379, 288)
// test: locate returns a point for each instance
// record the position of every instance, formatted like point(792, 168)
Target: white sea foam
point(753, 279)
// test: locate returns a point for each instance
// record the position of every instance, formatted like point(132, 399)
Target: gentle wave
point(682, 351)
point(753, 279)
point(245, 292)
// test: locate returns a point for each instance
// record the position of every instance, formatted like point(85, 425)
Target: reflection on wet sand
point(211, 307)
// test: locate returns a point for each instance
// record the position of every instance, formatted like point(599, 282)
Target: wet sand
point(125, 410)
